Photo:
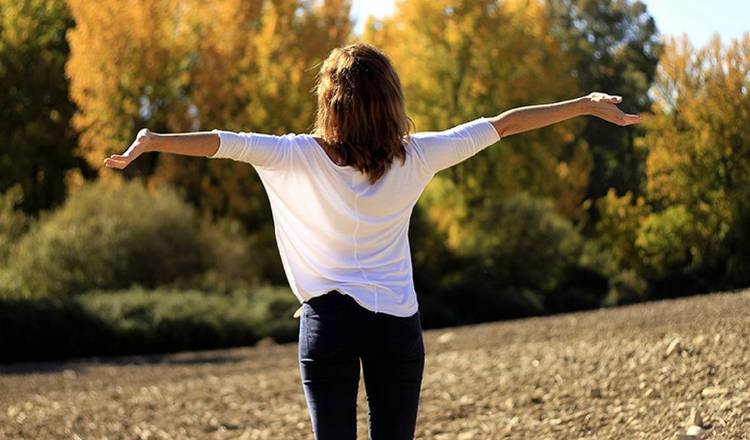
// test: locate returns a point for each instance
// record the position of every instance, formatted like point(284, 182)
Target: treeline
point(578, 215)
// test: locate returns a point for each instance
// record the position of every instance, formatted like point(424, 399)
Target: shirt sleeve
point(442, 149)
point(262, 150)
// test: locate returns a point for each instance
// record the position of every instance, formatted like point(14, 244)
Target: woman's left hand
point(140, 145)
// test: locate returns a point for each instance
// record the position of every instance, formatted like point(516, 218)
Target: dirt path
point(627, 373)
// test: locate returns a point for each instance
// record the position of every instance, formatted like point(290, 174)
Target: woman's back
point(335, 229)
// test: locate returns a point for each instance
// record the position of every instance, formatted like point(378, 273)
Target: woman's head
point(361, 111)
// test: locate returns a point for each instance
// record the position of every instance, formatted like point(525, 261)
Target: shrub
point(583, 288)
point(49, 328)
point(233, 258)
point(109, 236)
point(620, 218)
point(522, 241)
point(736, 245)
point(664, 241)
point(626, 287)
point(139, 321)
point(513, 254)
point(13, 222)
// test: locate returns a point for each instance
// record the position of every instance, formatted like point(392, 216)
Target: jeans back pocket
point(326, 327)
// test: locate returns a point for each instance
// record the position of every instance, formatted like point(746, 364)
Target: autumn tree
point(128, 68)
point(253, 73)
point(697, 142)
point(462, 60)
point(230, 64)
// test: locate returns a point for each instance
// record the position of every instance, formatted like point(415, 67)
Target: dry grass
point(626, 373)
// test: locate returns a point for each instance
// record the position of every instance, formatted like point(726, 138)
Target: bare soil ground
point(627, 373)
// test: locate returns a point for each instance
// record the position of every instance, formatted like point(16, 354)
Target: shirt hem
point(411, 312)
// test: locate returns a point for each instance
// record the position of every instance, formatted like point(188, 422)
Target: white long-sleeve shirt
point(333, 228)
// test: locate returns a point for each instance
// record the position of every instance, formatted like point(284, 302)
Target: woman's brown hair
point(361, 112)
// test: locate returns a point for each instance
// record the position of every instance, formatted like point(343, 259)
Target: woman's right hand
point(140, 145)
point(604, 106)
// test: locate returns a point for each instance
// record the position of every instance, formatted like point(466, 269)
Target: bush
point(138, 321)
point(620, 218)
point(522, 241)
point(114, 236)
point(13, 222)
point(510, 257)
point(233, 258)
point(664, 241)
point(474, 301)
point(736, 245)
point(584, 288)
point(626, 287)
point(49, 329)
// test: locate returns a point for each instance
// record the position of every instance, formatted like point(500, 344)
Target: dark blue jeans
point(336, 334)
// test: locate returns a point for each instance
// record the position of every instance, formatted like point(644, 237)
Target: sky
point(699, 19)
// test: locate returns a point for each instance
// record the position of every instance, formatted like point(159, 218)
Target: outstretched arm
point(199, 143)
point(527, 118)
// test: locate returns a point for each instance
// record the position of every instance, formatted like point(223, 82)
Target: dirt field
point(627, 373)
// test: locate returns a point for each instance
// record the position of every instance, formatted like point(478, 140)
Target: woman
point(341, 199)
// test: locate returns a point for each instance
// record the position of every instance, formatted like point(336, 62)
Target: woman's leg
point(392, 367)
point(329, 367)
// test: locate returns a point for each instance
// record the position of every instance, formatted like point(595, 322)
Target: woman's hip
point(334, 325)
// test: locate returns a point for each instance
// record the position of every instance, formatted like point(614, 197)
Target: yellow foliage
point(461, 60)
point(182, 65)
point(699, 154)
point(620, 218)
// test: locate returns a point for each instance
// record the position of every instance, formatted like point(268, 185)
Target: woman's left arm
point(199, 143)
point(527, 118)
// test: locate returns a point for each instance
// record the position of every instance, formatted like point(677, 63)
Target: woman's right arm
point(199, 143)
point(601, 105)
point(444, 149)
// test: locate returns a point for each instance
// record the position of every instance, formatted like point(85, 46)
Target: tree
point(698, 148)
point(254, 73)
point(615, 47)
point(230, 64)
point(459, 61)
point(36, 139)
point(129, 67)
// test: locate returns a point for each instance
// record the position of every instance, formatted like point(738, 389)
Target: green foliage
point(626, 287)
point(13, 222)
point(518, 254)
point(665, 240)
point(736, 245)
point(698, 166)
point(49, 329)
point(582, 288)
point(114, 236)
point(140, 321)
point(699, 154)
point(459, 61)
point(616, 47)
point(636, 238)
point(620, 219)
point(231, 257)
point(472, 301)
point(36, 140)
point(512, 239)
point(109, 237)
point(600, 257)
point(272, 309)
